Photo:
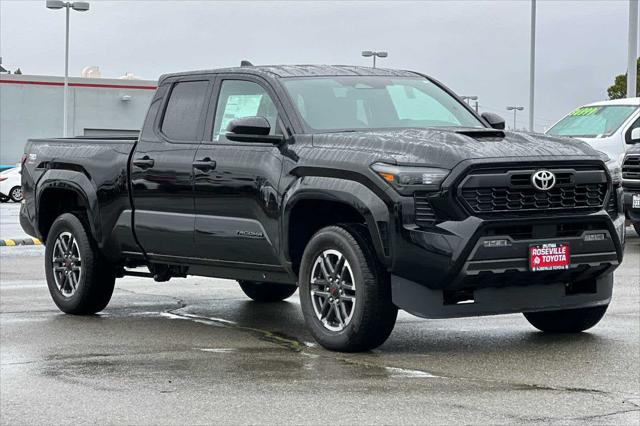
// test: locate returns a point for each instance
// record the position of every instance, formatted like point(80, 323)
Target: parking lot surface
point(196, 350)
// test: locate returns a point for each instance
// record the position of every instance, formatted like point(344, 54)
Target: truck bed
point(93, 168)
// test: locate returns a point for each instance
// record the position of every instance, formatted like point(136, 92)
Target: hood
point(447, 147)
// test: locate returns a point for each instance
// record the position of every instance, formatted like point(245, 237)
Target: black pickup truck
point(368, 189)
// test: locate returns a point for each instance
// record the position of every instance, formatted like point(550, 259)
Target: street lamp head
point(382, 54)
point(55, 4)
point(80, 6)
point(367, 53)
point(518, 108)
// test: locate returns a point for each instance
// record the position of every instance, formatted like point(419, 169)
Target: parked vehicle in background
point(605, 125)
point(10, 186)
point(368, 189)
point(631, 184)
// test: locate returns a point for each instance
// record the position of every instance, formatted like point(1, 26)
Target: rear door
point(236, 184)
point(162, 170)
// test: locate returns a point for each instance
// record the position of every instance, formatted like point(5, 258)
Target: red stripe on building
point(104, 86)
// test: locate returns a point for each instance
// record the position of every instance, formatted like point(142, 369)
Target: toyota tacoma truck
point(370, 190)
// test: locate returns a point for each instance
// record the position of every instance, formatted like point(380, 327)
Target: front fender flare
point(377, 212)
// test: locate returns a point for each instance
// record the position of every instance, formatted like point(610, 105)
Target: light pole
point(532, 64)
point(368, 53)
point(515, 109)
point(632, 68)
point(80, 6)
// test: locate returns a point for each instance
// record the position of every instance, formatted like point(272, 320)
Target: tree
point(619, 88)
point(18, 71)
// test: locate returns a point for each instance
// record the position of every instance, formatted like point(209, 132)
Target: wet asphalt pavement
point(196, 350)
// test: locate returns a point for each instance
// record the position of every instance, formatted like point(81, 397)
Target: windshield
point(372, 102)
point(592, 121)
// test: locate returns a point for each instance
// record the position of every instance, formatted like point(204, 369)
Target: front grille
point(489, 192)
point(425, 215)
point(631, 167)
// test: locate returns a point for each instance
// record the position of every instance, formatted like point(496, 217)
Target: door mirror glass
point(635, 135)
point(494, 120)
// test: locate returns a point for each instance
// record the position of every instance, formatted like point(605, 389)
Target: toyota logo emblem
point(543, 180)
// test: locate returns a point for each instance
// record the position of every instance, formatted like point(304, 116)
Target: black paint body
point(226, 209)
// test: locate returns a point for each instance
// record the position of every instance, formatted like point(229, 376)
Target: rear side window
point(184, 110)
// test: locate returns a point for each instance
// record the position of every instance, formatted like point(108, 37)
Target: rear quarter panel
point(95, 169)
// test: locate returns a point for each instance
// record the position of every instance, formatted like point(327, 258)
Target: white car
point(608, 126)
point(10, 188)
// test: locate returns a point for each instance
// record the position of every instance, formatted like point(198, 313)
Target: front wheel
point(16, 194)
point(80, 280)
point(567, 320)
point(345, 294)
point(267, 292)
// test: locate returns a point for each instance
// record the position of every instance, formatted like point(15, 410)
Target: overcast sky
point(475, 47)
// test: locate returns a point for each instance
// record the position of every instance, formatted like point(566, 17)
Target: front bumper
point(451, 270)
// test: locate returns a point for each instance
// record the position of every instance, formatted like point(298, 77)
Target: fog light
point(594, 237)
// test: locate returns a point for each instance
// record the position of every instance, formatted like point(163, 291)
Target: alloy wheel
point(333, 290)
point(67, 264)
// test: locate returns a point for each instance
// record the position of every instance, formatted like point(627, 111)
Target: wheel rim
point(67, 264)
point(17, 194)
point(333, 290)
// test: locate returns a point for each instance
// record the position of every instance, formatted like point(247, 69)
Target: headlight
point(615, 171)
point(407, 179)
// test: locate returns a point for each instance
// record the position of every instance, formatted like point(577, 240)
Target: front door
point(162, 169)
point(236, 184)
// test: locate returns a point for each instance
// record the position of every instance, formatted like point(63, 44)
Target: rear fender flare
point(80, 184)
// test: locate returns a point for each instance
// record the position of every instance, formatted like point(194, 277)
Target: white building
point(31, 107)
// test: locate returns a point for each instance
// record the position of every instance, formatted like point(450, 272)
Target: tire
point(267, 292)
point(93, 276)
point(4, 198)
point(16, 194)
point(567, 320)
point(636, 226)
point(355, 313)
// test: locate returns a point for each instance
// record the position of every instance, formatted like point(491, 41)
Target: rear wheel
point(345, 294)
point(80, 280)
point(4, 198)
point(16, 194)
point(567, 320)
point(267, 292)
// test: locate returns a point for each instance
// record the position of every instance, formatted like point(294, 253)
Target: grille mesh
point(504, 192)
point(631, 167)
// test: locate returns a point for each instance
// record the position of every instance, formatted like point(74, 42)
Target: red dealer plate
point(549, 257)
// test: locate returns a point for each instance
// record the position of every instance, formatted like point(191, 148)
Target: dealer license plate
point(549, 257)
point(635, 201)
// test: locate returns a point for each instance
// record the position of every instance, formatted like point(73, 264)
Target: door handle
point(144, 162)
point(205, 164)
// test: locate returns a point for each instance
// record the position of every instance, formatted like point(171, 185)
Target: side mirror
point(251, 129)
point(494, 120)
point(635, 135)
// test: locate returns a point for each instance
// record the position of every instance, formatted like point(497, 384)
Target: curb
point(20, 242)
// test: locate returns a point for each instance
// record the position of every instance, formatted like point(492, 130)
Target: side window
point(238, 99)
point(184, 110)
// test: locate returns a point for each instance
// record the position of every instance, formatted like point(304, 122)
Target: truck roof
point(286, 71)
point(623, 101)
